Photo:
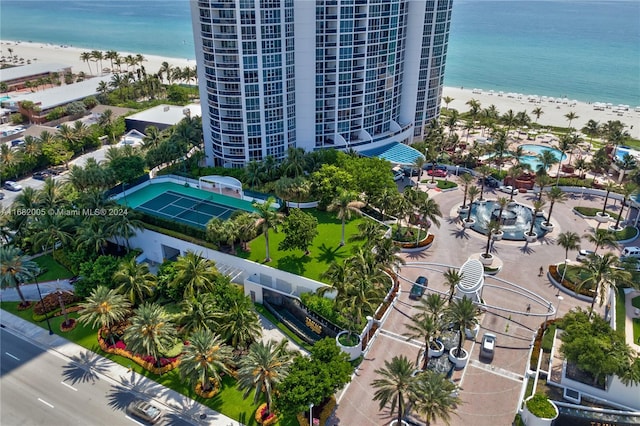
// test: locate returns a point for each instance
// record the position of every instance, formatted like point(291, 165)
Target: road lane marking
point(13, 356)
point(45, 402)
point(135, 421)
point(69, 386)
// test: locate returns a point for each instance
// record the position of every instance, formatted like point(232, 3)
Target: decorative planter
point(547, 226)
point(459, 362)
point(511, 204)
point(539, 213)
point(435, 353)
point(463, 210)
point(471, 333)
point(395, 423)
point(602, 218)
point(497, 235)
point(468, 223)
point(613, 228)
point(486, 260)
point(531, 237)
point(353, 351)
point(432, 185)
point(531, 419)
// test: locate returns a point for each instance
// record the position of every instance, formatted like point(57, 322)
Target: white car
point(584, 255)
point(398, 175)
point(508, 189)
point(488, 345)
point(12, 186)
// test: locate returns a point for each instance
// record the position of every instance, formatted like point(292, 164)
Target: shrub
point(51, 302)
point(555, 273)
point(540, 406)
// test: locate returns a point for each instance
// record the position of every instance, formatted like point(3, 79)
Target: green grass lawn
point(325, 249)
point(228, 402)
point(621, 315)
point(591, 211)
point(53, 270)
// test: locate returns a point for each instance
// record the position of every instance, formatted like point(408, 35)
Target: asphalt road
point(38, 387)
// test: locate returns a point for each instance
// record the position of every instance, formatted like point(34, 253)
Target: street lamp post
point(311, 414)
point(560, 299)
point(46, 314)
point(564, 272)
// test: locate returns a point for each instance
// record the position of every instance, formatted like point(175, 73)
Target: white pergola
point(472, 280)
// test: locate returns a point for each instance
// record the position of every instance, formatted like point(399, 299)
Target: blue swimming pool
point(532, 152)
point(622, 150)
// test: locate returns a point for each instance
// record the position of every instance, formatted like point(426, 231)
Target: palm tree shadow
point(417, 255)
point(121, 395)
point(526, 249)
point(460, 234)
point(329, 255)
point(293, 264)
point(452, 220)
point(85, 367)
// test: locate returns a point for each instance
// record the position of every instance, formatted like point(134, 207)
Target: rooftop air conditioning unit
point(166, 108)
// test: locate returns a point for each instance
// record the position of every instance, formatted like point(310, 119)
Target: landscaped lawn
point(228, 402)
point(53, 270)
point(636, 321)
point(324, 251)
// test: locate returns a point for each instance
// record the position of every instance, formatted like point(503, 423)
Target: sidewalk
point(186, 408)
point(30, 291)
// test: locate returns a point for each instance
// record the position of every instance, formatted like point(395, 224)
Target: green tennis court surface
point(187, 205)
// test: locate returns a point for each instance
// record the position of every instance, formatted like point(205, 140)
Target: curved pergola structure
point(472, 280)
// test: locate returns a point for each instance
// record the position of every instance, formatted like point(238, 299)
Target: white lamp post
point(311, 414)
point(564, 272)
point(560, 299)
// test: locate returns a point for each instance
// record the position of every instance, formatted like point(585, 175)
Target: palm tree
point(16, 269)
point(93, 234)
point(196, 274)
point(263, 368)
point(151, 331)
point(592, 129)
point(571, 116)
point(542, 180)
point(429, 212)
point(135, 280)
point(546, 159)
point(628, 189)
point(447, 100)
point(433, 396)
point(568, 240)
point(386, 253)
point(555, 195)
point(204, 358)
point(51, 231)
point(198, 313)
point(467, 180)
point(610, 186)
point(492, 227)
point(104, 307)
point(86, 57)
point(473, 191)
point(267, 219)
point(345, 204)
point(537, 111)
point(602, 238)
point(484, 171)
point(393, 387)
point(601, 273)
point(464, 314)
point(538, 205)
point(239, 324)
point(423, 327)
point(453, 278)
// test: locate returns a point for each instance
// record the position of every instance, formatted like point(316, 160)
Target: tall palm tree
point(423, 327)
point(386, 253)
point(104, 307)
point(542, 180)
point(453, 278)
point(571, 116)
point(555, 195)
point(628, 189)
point(429, 212)
point(484, 171)
point(93, 234)
point(464, 314)
point(433, 396)
point(466, 179)
point(345, 205)
point(196, 274)
point(591, 129)
point(537, 111)
point(239, 324)
point(198, 313)
point(447, 100)
point(369, 232)
point(52, 230)
point(610, 186)
point(135, 280)
point(267, 219)
point(393, 387)
point(546, 159)
point(204, 358)
point(538, 205)
point(151, 331)
point(602, 238)
point(473, 191)
point(568, 240)
point(263, 368)
point(601, 273)
point(16, 269)
point(86, 57)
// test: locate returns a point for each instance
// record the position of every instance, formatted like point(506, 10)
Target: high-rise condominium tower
point(316, 73)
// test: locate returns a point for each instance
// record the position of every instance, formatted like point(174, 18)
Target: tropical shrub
point(540, 406)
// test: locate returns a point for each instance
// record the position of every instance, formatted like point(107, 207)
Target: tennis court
point(190, 206)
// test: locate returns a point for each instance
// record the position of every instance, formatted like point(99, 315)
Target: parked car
point(398, 175)
point(508, 189)
point(488, 346)
point(491, 182)
point(12, 186)
point(417, 290)
point(437, 173)
point(584, 255)
point(144, 410)
point(41, 175)
point(410, 171)
point(1, 195)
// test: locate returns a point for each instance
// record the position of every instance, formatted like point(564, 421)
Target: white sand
point(52, 53)
point(554, 113)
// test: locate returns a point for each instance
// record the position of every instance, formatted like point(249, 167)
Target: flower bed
point(145, 361)
point(64, 326)
point(56, 313)
point(52, 302)
point(263, 419)
point(422, 243)
point(553, 269)
point(208, 394)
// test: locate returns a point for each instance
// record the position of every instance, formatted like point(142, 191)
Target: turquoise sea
point(587, 50)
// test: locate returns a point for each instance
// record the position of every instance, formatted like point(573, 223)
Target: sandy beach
point(553, 113)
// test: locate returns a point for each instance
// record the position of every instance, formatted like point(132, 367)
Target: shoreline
point(553, 113)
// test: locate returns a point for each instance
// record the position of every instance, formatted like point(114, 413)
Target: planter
point(531, 419)
point(395, 423)
point(531, 237)
point(471, 333)
point(511, 204)
point(459, 362)
point(353, 351)
point(497, 236)
point(547, 226)
point(602, 218)
point(613, 228)
point(468, 223)
point(539, 213)
point(432, 185)
point(486, 260)
point(435, 353)
point(463, 210)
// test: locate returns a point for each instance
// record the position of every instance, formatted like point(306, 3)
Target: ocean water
point(587, 50)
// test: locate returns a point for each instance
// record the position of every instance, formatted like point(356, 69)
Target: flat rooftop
point(22, 71)
point(166, 114)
